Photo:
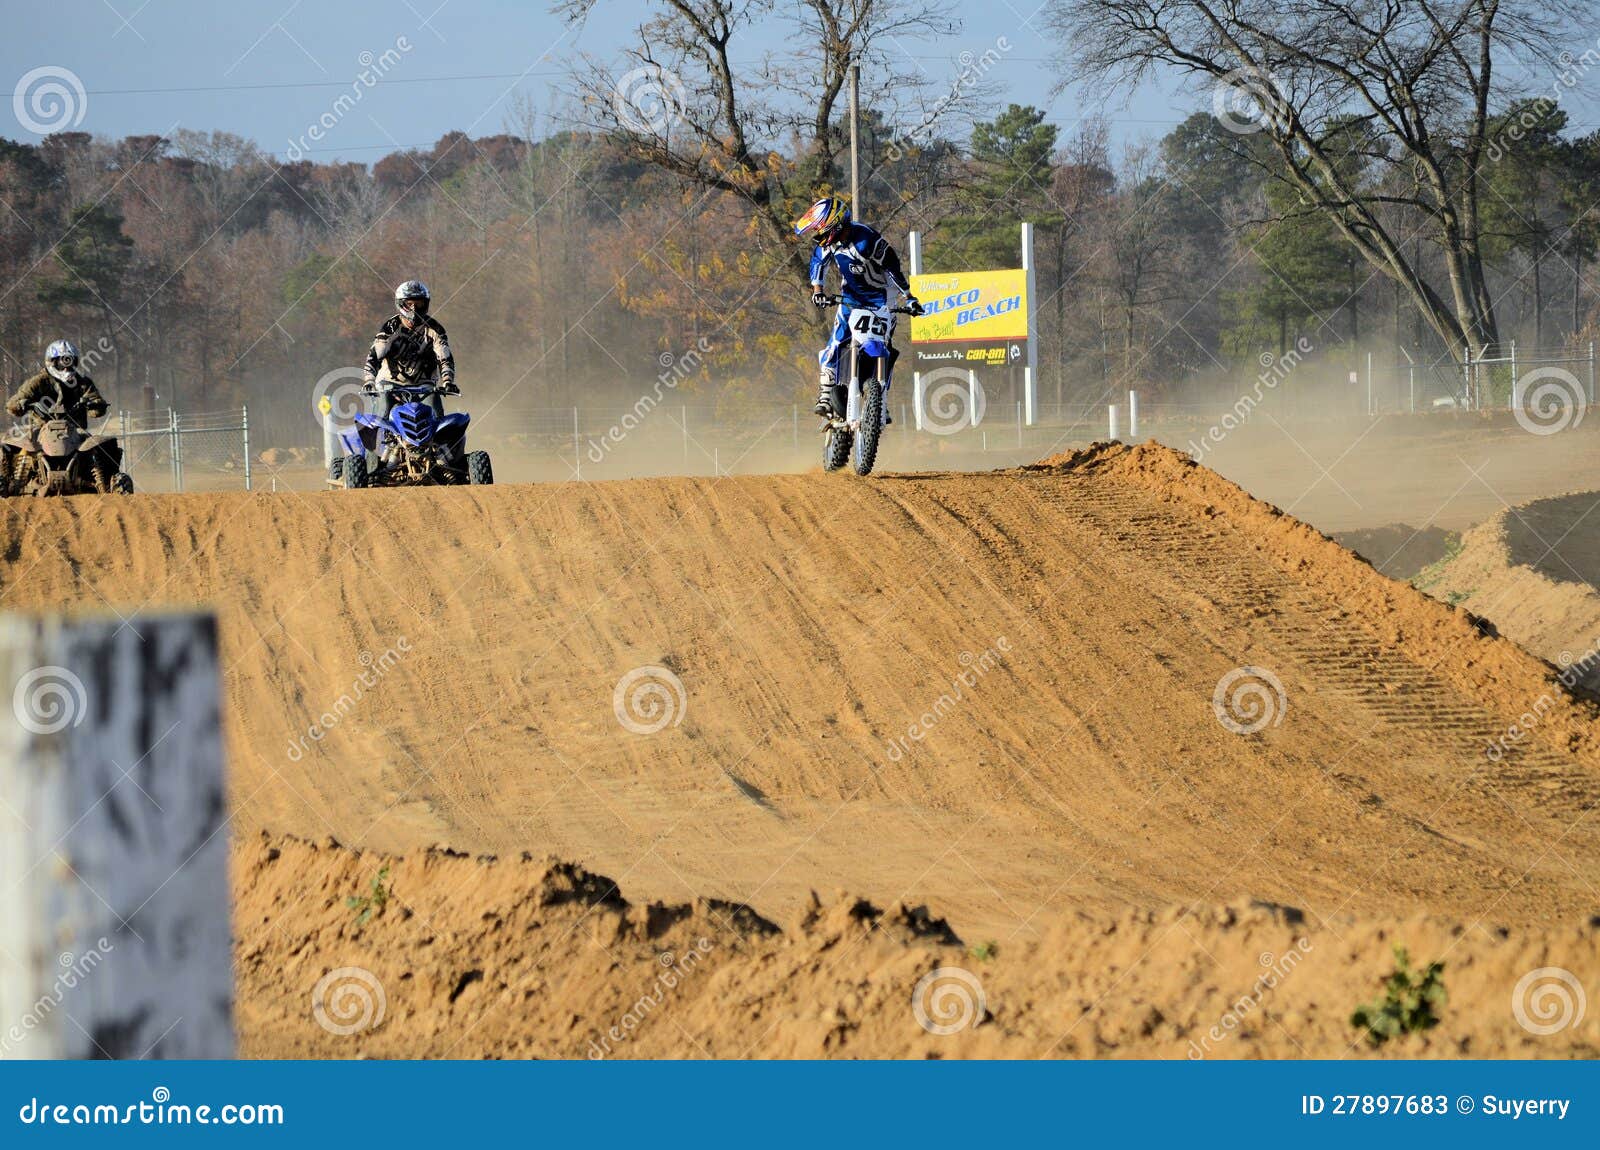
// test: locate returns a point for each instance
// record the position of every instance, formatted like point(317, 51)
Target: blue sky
point(270, 70)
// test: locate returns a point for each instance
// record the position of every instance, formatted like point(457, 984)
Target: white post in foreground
point(1133, 414)
point(1113, 421)
point(974, 407)
point(113, 853)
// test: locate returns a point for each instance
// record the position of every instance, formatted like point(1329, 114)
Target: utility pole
point(856, 207)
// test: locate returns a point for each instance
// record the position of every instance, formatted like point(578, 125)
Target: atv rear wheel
point(355, 472)
point(122, 483)
point(866, 452)
point(836, 448)
point(479, 471)
point(336, 469)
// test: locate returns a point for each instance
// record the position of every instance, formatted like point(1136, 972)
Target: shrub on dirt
point(1409, 1004)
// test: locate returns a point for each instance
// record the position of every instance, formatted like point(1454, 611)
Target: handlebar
point(382, 385)
point(835, 300)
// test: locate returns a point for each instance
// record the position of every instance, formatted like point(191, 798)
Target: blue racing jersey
point(867, 265)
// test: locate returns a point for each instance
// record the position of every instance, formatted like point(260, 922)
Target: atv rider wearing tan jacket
point(60, 385)
point(411, 347)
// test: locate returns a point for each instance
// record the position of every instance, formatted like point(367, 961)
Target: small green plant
point(985, 951)
point(1410, 1001)
point(369, 904)
point(1456, 598)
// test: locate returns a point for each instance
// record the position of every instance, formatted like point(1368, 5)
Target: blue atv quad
point(415, 446)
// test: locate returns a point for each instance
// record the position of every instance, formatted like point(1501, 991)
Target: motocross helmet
point(824, 221)
point(415, 294)
point(59, 360)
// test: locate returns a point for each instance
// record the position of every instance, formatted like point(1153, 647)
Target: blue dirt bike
point(414, 446)
point(860, 402)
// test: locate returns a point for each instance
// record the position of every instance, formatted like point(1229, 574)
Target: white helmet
point(59, 360)
point(414, 292)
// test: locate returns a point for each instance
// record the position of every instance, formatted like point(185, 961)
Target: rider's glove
point(451, 389)
point(819, 297)
point(369, 385)
point(914, 305)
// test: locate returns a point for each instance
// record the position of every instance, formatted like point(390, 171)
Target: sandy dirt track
point(989, 694)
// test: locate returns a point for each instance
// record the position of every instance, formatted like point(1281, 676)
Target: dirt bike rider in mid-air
point(71, 391)
point(867, 265)
point(410, 348)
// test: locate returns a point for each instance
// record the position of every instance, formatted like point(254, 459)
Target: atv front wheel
point(355, 472)
point(479, 471)
point(336, 469)
point(122, 483)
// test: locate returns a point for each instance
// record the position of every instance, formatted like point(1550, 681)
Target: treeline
point(198, 271)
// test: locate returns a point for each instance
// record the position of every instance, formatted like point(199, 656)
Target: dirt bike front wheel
point(866, 446)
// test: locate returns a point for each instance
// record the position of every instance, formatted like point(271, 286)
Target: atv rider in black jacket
point(410, 348)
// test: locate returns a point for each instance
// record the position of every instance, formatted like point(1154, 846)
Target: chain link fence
point(183, 451)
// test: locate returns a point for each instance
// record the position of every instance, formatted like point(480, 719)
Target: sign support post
point(914, 243)
point(1030, 369)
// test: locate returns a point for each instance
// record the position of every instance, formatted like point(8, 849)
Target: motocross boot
point(824, 405)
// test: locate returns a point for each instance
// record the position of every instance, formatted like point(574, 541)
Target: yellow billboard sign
point(984, 307)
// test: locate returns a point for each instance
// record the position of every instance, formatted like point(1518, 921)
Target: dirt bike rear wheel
point(122, 483)
point(355, 472)
point(866, 446)
point(479, 471)
point(836, 448)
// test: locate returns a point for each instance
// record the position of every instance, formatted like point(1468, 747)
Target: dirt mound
point(1010, 696)
point(1534, 569)
point(1400, 550)
point(473, 958)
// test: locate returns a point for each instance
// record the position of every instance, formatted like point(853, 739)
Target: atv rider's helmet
point(825, 221)
point(59, 360)
point(411, 300)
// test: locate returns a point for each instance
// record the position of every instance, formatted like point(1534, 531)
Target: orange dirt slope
point(992, 694)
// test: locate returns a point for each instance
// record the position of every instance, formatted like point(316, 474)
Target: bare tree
point(683, 105)
point(1414, 78)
